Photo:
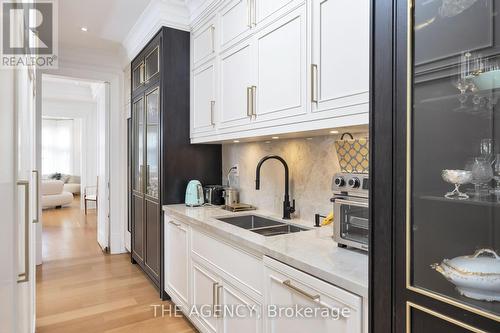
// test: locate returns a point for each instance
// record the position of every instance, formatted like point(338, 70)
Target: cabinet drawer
point(288, 287)
point(243, 267)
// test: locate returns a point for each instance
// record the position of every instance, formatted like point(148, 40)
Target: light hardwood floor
point(80, 289)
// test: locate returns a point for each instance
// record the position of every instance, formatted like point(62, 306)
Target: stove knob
point(339, 181)
point(354, 182)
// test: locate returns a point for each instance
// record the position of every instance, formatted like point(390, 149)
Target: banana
point(327, 220)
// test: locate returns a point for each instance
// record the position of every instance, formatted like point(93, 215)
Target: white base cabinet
point(177, 258)
point(223, 288)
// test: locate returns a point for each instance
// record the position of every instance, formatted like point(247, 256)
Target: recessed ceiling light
point(334, 132)
point(309, 138)
point(84, 29)
point(236, 141)
point(275, 137)
point(268, 141)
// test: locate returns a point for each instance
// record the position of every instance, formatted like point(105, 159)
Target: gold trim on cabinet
point(409, 285)
point(146, 61)
point(410, 305)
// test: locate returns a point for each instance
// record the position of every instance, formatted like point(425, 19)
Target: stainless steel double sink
point(262, 225)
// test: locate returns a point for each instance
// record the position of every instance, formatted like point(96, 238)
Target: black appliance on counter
point(214, 194)
point(162, 158)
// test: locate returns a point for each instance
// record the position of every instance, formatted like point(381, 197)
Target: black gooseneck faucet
point(287, 208)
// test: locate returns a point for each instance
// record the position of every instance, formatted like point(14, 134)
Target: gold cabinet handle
point(254, 13)
point(289, 285)
point(254, 101)
point(249, 101)
point(212, 28)
point(314, 83)
point(174, 223)
point(215, 297)
point(37, 194)
point(25, 276)
point(249, 13)
point(218, 311)
point(212, 112)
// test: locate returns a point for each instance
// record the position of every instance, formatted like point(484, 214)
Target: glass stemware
point(496, 175)
point(486, 149)
point(482, 173)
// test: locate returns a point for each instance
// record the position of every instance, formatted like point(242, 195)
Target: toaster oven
point(350, 207)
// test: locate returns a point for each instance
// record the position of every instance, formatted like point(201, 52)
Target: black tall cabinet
point(162, 158)
point(435, 107)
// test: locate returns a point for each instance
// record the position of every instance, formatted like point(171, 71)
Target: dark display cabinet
point(162, 158)
point(436, 167)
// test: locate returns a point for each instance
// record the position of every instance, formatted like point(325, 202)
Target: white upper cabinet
point(203, 40)
point(235, 21)
point(340, 54)
point(236, 83)
point(263, 9)
point(281, 67)
point(203, 104)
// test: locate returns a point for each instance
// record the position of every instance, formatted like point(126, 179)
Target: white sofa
point(53, 194)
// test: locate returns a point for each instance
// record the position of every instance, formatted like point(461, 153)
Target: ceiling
point(108, 22)
point(59, 88)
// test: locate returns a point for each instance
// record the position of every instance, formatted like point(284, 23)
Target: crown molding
point(159, 13)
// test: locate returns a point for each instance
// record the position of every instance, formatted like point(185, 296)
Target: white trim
point(157, 14)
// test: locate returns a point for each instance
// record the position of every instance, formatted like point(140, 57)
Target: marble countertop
point(312, 251)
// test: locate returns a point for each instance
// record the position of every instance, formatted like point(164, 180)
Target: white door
point(102, 181)
point(203, 104)
point(177, 259)
point(340, 54)
point(284, 291)
point(17, 231)
point(242, 314)
point(235, 21)
point(282, 67)
point(236, 69)
point(205, 285)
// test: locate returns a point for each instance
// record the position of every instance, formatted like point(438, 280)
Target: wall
point(61, 134)
point(312, 163)
point(87, 113)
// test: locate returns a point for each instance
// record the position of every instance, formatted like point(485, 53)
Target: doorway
point(74, 167)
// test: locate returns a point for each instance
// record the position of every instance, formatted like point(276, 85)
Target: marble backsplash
point(312, 163)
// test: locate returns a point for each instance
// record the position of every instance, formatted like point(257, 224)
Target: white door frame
point(117, 142)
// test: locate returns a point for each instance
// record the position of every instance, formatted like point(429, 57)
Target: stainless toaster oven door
point(351, 222)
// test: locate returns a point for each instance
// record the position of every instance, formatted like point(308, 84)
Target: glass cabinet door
point(152, 142)
point(453, 162)
point(152, 63)
point(138, 145)
point(138, 76)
